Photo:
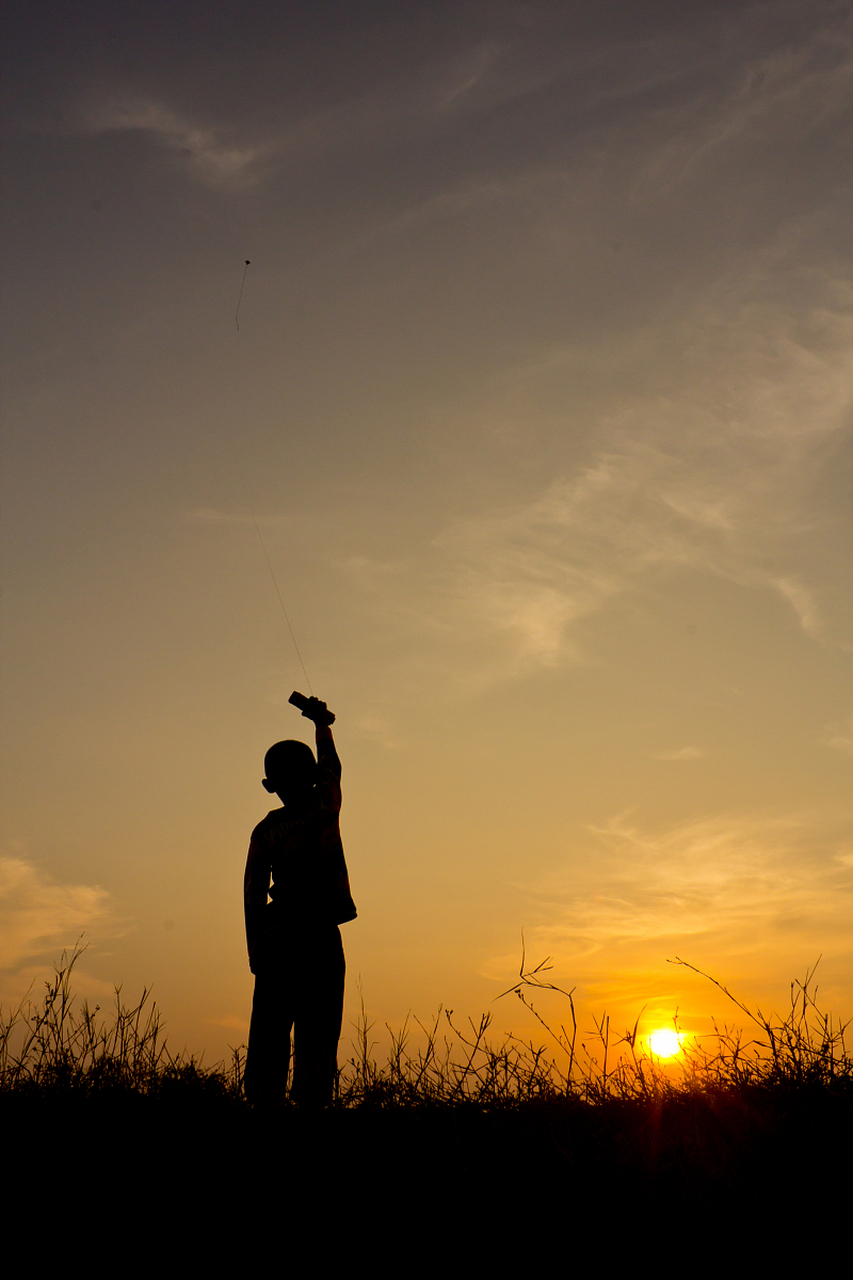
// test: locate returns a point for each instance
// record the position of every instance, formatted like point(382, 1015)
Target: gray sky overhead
point(540, 402)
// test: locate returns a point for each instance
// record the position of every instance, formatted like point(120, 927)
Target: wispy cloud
point(789, 91)
point(374, 728)
point(840, 736)
point(717, 413)
point(716, 472)
point(212, 515)
point(731, 893)
point(681, 753)
point(711, 458)
point(467, 77)
point(216, 158)
point(38, 913)
point(731, 883)
point(644, 122)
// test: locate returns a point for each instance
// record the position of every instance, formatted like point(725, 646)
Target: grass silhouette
point(57, 1046)
point(453, 1117)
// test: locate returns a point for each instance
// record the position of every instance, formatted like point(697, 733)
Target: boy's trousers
point(299, 986)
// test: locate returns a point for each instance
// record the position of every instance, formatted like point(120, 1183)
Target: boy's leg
point(268, 1052)
point(319, 1013)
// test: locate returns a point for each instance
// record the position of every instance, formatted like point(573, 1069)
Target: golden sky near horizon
point(541, 399)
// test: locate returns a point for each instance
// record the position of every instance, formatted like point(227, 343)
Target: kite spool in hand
point(312, 708)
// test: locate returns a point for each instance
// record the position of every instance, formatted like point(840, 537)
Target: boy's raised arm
point(313, 709)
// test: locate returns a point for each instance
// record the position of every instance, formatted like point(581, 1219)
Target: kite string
point(240, 298)
point(280, 600)
point(251, 506)
point(255, 518)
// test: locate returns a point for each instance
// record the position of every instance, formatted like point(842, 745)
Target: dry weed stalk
point(804, 1047)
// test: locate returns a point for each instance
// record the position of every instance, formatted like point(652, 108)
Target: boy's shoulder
point(269, 825)
point(280, 825)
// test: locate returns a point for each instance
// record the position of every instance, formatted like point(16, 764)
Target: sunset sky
point(541, 403)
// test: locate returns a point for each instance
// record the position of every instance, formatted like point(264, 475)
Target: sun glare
point(665, 1043)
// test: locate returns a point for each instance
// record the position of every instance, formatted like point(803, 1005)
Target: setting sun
point(665, 1043)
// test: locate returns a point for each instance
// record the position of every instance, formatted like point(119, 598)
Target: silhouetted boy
point(294, 942)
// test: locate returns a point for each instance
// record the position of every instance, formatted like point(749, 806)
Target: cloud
point(789, 91)
point(216, 159)
point(802, 602)
point(840, 736)
point(727, 882)
point(735, 894)
point(376, 728)
point(714, 470)
point(467, 77)
point(711, 456)
point(692, 401)
point(211, 515)
point(39, 914)
point(683, 753)
point(644, 123)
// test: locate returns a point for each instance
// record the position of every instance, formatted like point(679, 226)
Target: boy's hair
point(284, 759)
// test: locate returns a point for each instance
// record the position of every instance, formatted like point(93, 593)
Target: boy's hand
point(314, 709)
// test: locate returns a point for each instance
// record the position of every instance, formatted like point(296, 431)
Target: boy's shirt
point(303, 858)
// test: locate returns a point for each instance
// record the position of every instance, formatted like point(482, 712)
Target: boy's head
point(291, 770)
